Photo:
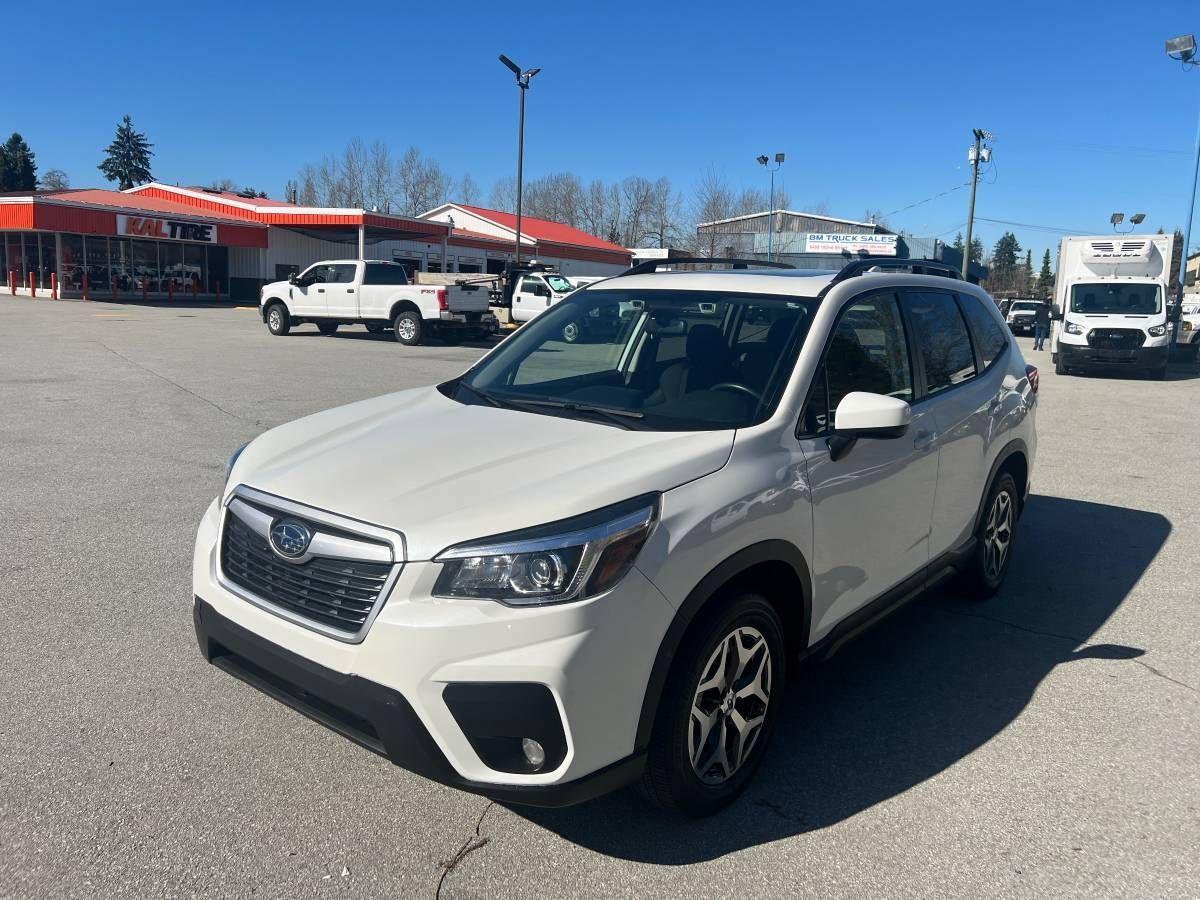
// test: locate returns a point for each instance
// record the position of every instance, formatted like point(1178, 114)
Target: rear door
point(871, 507)
point(378, 286)
point(531, 297)
point(965, 406)
point(341, 291)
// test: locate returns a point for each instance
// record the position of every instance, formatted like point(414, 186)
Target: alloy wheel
point(276, 319)
point(997, 534)
point(407, 329)
point(730, 704)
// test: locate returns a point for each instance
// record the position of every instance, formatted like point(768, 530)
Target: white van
point(1111, 304)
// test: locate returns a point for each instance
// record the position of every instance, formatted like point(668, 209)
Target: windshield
point(654, 360)
point(559, 284)
point(1024, 307)
point(1124, 298)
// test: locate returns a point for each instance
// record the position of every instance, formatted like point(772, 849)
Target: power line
point(1052, 228)
point(957, 187)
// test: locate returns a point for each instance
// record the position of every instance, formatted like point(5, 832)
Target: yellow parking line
point(255, 308)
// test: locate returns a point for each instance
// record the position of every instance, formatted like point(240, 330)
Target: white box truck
point(1111, 304)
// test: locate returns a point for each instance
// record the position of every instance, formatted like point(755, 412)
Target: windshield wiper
point(482, 395)
point(616, 416)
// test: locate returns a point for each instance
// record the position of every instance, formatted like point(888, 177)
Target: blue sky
point(872, 102)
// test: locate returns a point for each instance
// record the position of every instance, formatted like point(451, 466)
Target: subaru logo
point(290, 538)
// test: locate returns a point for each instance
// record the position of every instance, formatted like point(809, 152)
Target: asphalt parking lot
point(1044, 742)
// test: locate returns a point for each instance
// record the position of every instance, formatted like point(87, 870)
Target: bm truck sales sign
point(874, 244)
point(166, 229)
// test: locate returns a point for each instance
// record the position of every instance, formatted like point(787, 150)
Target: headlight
point(1157, 330)
point(568, 560)
point(232, 459)
point(1073, 328)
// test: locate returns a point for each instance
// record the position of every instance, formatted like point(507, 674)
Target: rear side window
point(341, 273)
point(384, 274)
point(990, 337)
point(941, 339)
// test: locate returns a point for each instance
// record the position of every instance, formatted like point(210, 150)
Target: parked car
point(1021, 315)
point(535, 292)
point(376, 294)
point(1187, 336)
point(754, 467)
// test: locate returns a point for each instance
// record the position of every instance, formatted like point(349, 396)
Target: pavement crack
point(1161, 674)
point(473, 842)
point(174, 384)
point(1051, 634)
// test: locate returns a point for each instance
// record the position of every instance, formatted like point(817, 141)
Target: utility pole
point(523, 77)
point(1183, 49)
point(973, 156)
point(765, 162)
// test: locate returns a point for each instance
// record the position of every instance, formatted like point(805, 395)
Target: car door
point(965, 407)
point(308, 293)
point(871, 507)
point(530, 298)
point(341, 291)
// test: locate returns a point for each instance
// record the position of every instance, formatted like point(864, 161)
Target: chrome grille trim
point(337, 588)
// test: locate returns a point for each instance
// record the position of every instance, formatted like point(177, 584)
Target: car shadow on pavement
point(911, 697)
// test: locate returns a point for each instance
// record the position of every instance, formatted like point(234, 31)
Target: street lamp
point(1134, 221)
point(765, 163)
point(523, 77)
point(1183, 49)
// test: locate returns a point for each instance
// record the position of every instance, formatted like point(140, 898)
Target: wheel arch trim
point(771, 551)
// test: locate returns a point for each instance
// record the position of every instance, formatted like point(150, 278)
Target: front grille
point(1116, 338)
point(336, 593)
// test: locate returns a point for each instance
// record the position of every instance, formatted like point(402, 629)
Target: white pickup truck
point(376, 294)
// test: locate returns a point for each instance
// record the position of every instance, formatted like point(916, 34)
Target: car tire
point(277, 319)
point(984, 571)
point(1060, 367)
point(327, 328)
point(376, 327)
point(408, 327)
point(693, 776)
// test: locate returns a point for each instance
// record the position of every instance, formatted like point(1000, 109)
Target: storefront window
point(15, 257)
point(49, 257)
point(95, 253)
point(121, 259)
point(218, 270)
point(71, 264)
point(170, 261)
point(193, 265)
point(145, 265)
point(30, 240)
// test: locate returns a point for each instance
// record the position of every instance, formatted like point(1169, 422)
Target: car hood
point(276, 287)
point(441, 472)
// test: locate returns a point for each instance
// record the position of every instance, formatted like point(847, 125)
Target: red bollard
point(83, 286)
point(32, 287)
point(113, 282)
point(171, 289)
point(12, 282)
point(53, 286)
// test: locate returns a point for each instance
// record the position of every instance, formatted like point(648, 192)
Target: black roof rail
point(917, 266)
point(653, 265)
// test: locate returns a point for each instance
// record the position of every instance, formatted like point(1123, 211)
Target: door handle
point(923, 440)
point(320, 290)
point(349, 290)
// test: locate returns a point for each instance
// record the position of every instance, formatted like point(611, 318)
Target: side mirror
point(293, 278)
point(1056, 314)
point(864, 415)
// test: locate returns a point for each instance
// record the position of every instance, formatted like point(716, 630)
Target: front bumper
point(1083, 356)
point(373, 716)
point(394, 691)
point(1021, 326)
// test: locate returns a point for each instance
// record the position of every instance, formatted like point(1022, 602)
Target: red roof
point(237, 198)
point(544, 230)
point(119, 199)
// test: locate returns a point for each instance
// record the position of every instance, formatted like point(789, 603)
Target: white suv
point(615, 547)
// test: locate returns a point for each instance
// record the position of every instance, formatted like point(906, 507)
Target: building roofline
point(790, 212)
point(129, 210)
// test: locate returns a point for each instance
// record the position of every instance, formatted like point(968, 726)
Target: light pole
point(523, 77)
point(1183, 48)
point(1134, 221)
point(763, 161)
point(975, 155)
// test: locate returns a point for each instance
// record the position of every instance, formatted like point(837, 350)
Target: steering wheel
point(734, 386)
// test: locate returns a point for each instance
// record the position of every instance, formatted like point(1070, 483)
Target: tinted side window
point(384, 274)
point(868, 351)
point(941, 339)
point(990, 337)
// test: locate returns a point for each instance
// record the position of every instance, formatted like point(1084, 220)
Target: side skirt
point(938, 571)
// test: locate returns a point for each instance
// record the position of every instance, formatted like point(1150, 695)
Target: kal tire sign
point(166, 229)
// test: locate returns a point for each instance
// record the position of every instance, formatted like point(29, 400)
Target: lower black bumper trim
point(1135, 358)
point(374, 716)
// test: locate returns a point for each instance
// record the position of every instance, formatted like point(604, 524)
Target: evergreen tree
point(1027, 273)
point(1004, 261)
point(1046, 277)
point(976, 247)
point(18, 168)
point(127, 159)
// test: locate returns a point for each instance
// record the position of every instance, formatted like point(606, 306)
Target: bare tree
point(307, 195)
point(468, 191)
point(290, 190)
point(503, 195)
point(380, 178)
point(54, 180)
point(712, 200)
point(222, 184)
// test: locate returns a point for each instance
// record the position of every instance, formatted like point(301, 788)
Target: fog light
point(535, 753)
